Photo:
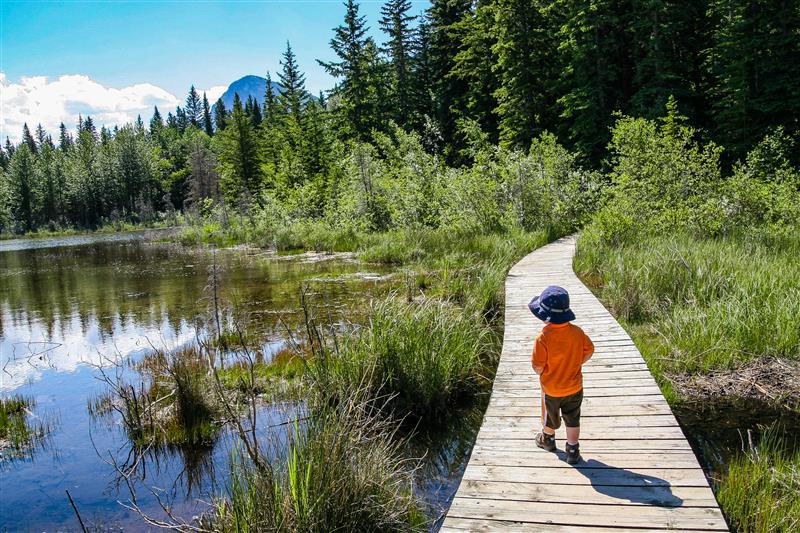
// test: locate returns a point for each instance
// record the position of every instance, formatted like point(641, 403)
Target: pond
point(72, 308)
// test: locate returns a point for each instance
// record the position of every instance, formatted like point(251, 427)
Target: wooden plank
point(591, 515)
point(639, 471)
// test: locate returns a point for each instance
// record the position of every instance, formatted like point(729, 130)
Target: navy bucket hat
point(552, 306)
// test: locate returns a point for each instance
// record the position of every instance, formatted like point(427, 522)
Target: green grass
point(18, 435)
point(697, 304)
point(760, 491)
point(341, 470)
point(175, 403)
point(424, 359)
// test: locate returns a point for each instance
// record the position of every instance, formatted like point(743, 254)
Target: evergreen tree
point(172, 121)
point(669, 37)
point(10, 148)
point(596, 70)
point(477, 65)
point(181, 119)
point(358, 100)
point(23, 197)
point(270, 103)
point(395, 22)
point(526, 60)
point(64, 138)
point(156, 123)
point(41, 135)
point(445, 42)
point(28, 140)
point(293, 96)
point(220, 115)
point(193, 109)
point(240, 169)
point(88, 126)
point(208, 126)
point(753, 58)
point(422, 93)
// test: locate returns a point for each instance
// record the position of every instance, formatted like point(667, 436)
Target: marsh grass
point(426, 357)
point(19, 435)
point(340, 470)
point(760, 491)
point(699, 304)
point(174, 404)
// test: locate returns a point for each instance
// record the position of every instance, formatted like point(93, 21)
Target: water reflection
point(65, 312)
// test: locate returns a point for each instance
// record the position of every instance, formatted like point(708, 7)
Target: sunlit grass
point(760, 491)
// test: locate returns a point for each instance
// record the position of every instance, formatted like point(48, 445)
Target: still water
point(72, 307)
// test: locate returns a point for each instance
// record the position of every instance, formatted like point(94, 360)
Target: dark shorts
point(567, 407)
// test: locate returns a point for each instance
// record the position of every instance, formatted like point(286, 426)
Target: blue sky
point(167, 44)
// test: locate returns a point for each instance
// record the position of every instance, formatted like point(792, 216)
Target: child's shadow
point(622, 484)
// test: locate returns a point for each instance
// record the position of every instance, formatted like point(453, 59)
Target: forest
point(491, 73)
point(665, 132)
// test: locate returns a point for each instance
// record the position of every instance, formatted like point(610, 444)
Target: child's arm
point(588, 348)
point(539, 355)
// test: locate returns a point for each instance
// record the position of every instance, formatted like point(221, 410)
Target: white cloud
point(213, 93)
point(36, 99)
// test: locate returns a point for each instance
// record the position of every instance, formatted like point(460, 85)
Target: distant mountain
point(250, 85)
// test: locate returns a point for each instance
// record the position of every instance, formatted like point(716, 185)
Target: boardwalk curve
point(639, 472)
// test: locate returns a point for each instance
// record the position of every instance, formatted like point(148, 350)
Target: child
point(559, 351)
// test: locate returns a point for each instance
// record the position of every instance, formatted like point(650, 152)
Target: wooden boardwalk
point(638, 472)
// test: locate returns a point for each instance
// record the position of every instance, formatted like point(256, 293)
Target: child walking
point(559, 352)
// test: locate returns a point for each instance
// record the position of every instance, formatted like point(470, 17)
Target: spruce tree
point(23, 197)
point(753, 58)
point(445, 42)
point(240, 168)
point(208, 126)
point(220, 115)
point(64, 138)
point(270, 103)
point(669, 39)
point(395, 22)
point(193, 109)
point(596, 70)
point(477, 65)
point(526, 53)
point(156, 123)
point(293, 96)
point(28, 140)
point(358, 100)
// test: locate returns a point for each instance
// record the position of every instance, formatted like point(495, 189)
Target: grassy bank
point(105, 229)
point(760, 492)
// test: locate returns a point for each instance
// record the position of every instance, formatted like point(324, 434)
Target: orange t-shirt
point(560, 350)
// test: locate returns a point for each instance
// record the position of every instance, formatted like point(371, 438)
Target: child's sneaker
point(573, 453)
point(545, 441)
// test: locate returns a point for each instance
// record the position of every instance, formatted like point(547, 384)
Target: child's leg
point(573, 434)
point(550, 419)
point(571, 411)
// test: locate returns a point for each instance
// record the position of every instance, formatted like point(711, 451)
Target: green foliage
point(18, 434)
point(759, 491)
point(341, 470)
point(705, 302)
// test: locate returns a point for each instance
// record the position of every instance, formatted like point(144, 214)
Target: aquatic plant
point(759, 492)
point(341, 469)
point(19, 435)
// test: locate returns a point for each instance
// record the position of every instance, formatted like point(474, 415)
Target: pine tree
point(445, 42)
point(526, 55)
point(293, 96)
point(41, 135)
point(596, 70)
point(240, 175)
point(270, 103)
point(10, 148)
point(156, 123)
point(64, 138)
point(193, 109)
point(358, 101)
point(220, 115)
point(88, 126)
point(477, 65)
point(181, 119)
point(23, 197)
point(753, 58)
point(669, 37)
point(28, 140)
point(395, 22)
point(208, 126)
point(172, 121)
